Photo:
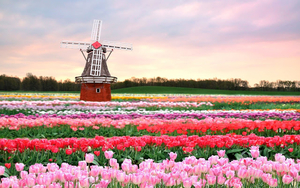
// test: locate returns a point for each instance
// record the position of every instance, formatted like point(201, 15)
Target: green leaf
point(95, 163)
point(238, 156)
point(266, 152)
point(234, 150)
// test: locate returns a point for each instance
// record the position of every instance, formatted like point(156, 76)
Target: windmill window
point(98, 90)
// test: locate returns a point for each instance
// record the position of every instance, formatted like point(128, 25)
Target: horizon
point(249, 85)
point(250, 40)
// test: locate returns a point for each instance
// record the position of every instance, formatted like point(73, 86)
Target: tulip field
point(159, 140)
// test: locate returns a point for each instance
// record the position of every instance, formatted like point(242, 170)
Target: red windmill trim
point(96, 45)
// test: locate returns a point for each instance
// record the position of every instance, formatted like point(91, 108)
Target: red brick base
point(95, 92)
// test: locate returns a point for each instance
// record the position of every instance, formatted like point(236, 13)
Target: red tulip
point(8, 165)
point(97, 153)
point(69, 151)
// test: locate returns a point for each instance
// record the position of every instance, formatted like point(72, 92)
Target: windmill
point(95, 79)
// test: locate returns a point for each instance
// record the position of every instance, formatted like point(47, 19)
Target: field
point(182, 139)
point(175, 90)
point(182, 90)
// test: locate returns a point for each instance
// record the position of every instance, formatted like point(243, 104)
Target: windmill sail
point(74, 44)
point(96, 62)
point(117, 45)
point(96, 31)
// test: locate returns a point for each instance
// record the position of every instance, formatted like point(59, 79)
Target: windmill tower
point(95, 79)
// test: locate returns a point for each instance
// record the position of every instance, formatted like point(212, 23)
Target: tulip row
point(41, 104)
point(33, 127)
point(232, 99)
point(167, 97)
point(136, 112)
point(215, 124)
point(217, 171)
point(121, 143)
point(13, 107)
point(51, 96)
point(242, 114)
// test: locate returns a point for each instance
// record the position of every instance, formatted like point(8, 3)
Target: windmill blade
point(96, 31)
point(117, 45)
point(96, 63)
point(74, 45)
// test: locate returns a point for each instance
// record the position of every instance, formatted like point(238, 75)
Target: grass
point(42, 92)
point(167, 90)
point(182, 90)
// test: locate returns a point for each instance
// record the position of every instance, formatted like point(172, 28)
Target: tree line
point(49, 83)
point(228, 84)
point(34, 83)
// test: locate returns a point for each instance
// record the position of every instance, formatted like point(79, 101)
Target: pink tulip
point(19, 166)
point(242, 173)
point(234, 182)
point(267, 168)
point(120, 176)
point(153, 180)
point(34, 169)
point(221, 180)
point(68, 176)
point(55, 185)
point(266, 177)
point(222, 161)
point(204, 168)
point(113, 162)
point(254, 147)
point(169, 182)
point(279, 167)
point(273, 182)
point(211, 180)
point(254, 153)
point(5, 183)
point(82, 164)
point(199, 184)
point(287, 179)
point(221, 153)
point(230, 174)
point(89, 158)
point(133, 168)
point(2, 170)
point(187, 183)
point(173, 156)
point(84, 182)
point(294, 172)
point(52, 167)
point(108, 154)
point(126, 167)
point(23, 174)
point(95, 171)
point(106, 175)
point(30, 181)
point(213, 159)
point(279, 157)
point(216, 171)
point(15, 185)
point(104, 183)
point(234, 166)
point(136, 178)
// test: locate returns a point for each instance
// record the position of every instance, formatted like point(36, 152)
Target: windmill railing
point(95, 79)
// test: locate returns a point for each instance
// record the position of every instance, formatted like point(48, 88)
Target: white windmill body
point(96, 70)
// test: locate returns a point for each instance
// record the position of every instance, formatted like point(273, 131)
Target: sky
point(251, 39)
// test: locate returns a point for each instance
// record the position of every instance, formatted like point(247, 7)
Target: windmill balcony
point(95, 79)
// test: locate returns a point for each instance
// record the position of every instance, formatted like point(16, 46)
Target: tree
point(31, 83)
point(9, 83)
